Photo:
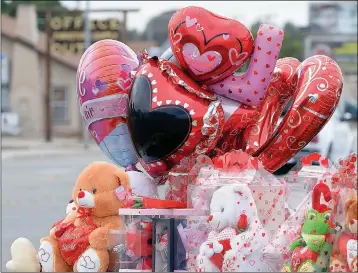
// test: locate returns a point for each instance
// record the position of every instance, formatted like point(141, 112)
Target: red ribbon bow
point(85, 213)
point(236, 161)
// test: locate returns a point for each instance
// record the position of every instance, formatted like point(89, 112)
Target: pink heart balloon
point(103, 85)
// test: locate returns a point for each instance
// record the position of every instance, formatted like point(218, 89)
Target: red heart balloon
point(233, 128)
point(317, 92)
point(171, 117)
point(268, 112)
point(208, 46)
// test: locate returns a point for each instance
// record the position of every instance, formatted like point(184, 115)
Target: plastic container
point(133, 251)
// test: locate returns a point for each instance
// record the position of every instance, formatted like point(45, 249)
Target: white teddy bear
point(233, 216)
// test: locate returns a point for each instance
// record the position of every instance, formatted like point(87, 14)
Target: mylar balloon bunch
point(152, 112)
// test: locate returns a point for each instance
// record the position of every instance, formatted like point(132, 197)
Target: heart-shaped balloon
point(208, 46)
point(317, 91)
point(268, 112)
point(171, 117)
point(250, 87)
point(103, 84)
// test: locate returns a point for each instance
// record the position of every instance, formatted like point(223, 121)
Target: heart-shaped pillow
point(208, 46)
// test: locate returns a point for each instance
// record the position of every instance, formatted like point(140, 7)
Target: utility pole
point(124, 27)
point(49, 12)
point(48, 114)
point(87, 45)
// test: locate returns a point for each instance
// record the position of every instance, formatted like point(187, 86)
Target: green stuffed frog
point(311, 251)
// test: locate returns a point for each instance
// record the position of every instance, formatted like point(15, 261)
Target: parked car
point(10, 124)
point(337, 139)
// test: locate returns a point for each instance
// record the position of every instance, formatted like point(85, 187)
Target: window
point(5, 83)
point(4, 98)
point(59, 105)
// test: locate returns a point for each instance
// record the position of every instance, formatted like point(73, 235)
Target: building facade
point(332, 31)
point(24, 48)
point(23, 89)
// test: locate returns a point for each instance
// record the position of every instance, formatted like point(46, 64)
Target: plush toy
point(246, 247)
point(344, 253)
point(311, 251)
point(81, 241)
point(139, 243)
point(233, 215)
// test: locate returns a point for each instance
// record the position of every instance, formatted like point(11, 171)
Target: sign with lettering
point(68, 33)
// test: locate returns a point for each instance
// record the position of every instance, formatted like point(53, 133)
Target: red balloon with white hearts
point(208, 46)
point(170, 117)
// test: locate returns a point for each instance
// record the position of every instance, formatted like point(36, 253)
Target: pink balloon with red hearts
point(103, 85)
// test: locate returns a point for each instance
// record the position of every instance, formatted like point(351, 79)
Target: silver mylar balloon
point(168, 55)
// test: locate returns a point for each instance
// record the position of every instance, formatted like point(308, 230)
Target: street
point(36, 189)
point(35, 192)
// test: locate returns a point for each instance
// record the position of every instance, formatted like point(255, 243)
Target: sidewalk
point(18, 143)
point(16, 146)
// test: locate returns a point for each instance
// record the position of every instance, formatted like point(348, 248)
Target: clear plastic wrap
point(304, 242)
point(345, 247)
point(170, 254)
point(244, 207)
point(134, 245)
point(150, 239)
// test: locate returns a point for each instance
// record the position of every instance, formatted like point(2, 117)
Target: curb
point(17, 143)
point(31, 152)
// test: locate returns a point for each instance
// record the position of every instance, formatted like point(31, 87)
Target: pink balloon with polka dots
point(249, 88)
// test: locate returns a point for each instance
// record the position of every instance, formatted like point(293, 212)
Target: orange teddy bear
point(81, 241)
point(344, 253)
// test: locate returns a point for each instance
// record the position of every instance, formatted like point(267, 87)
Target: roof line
point(30, 46)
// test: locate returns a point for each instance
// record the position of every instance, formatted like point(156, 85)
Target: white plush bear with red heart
point(245, 253)
point(232, 213)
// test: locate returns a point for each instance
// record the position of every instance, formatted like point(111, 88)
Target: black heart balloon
point(156, 133)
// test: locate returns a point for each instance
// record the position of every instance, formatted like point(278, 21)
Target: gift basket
point(306, 241)
point(245, 206)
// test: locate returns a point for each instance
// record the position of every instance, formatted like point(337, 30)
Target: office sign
point(68, 33)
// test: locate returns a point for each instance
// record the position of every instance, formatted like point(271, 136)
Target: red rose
point(242, 223)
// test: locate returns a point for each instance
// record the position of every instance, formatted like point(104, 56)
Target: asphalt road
point(35, 193)
point(36, 190)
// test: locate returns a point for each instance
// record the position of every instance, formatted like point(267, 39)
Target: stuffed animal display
point(81, 241)
point(344, 253)
point(311, 251)
point(235, 225)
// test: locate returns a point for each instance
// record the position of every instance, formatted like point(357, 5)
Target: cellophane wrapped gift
point(309, 233)
point(179, 177)
point(244, 207)
point(170, 254)
point(288, 244)
point(305, 240)
point(133, 251)
point(345, 247)
point(178, 180)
